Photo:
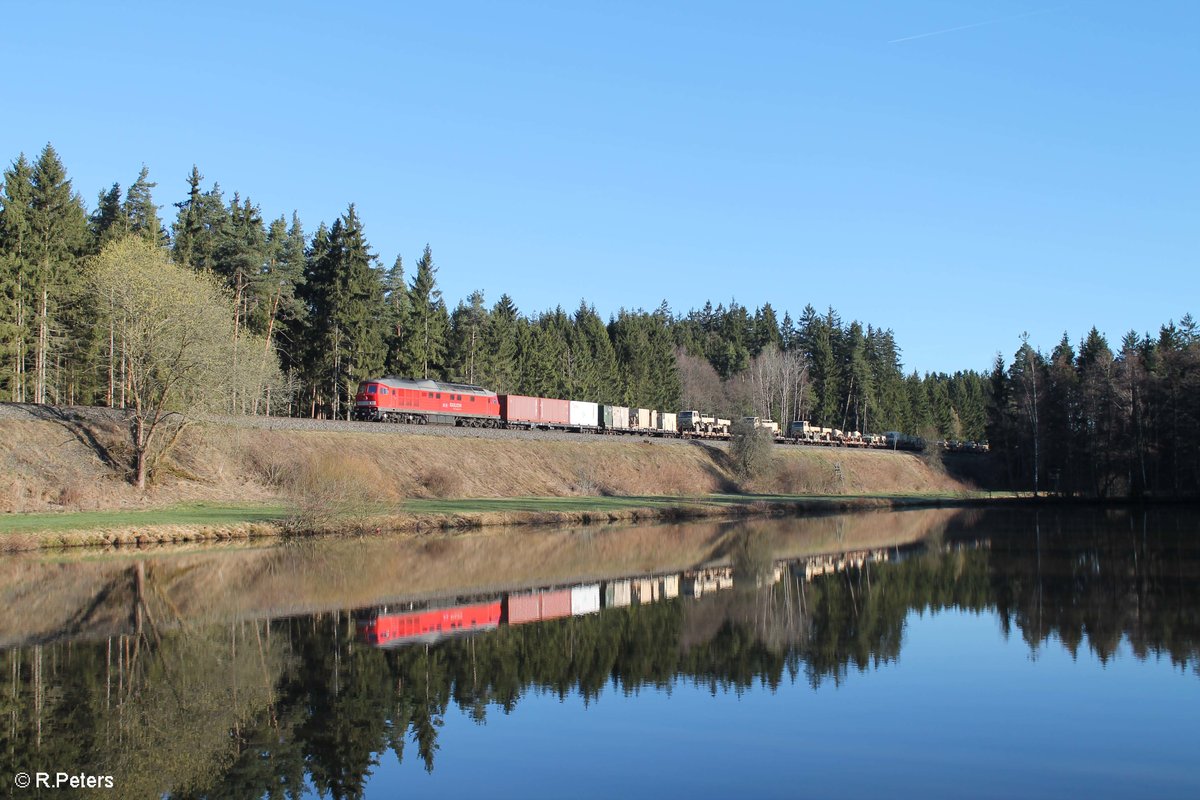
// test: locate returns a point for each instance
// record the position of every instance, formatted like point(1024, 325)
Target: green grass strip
point(212, 514)
point(190, 514)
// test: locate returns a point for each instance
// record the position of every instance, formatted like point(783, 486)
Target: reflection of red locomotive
point(428, 625)
point(382, 628)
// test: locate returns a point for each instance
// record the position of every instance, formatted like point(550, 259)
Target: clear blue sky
point(1035, 172)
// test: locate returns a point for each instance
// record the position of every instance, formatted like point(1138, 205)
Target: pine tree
point(891, 409)
point(466, 338)
point(398, 319)
point(317, 293)
point(1062, 414)
point(765, 330)
point(544, 358)
point(592, 341)
point(860, 381)
point(283, 272)
point(426, 342)
point(59, 238)
point(504, 338)
point(108, 221)
point(241, 250)
point(188, 227)
point(140, 213)
point(921, 415)
point(16, 276)
point(199, 226)
point(362, 313)
point(818, 342)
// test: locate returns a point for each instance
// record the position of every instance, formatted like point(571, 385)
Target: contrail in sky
point(974, 25)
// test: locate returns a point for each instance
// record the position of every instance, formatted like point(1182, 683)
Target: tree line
point(1100, 422)
point(334, 315)
point(312, 315)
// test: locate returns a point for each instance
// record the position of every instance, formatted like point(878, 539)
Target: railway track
point(103, 415)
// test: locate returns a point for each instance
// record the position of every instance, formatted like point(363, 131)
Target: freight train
point(420, 402)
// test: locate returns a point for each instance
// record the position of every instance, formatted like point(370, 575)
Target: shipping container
point(585, 599)
point(521, 608)
point(644, 590)
point(640, 418)
point(605, 417)
point(556, 604)
point(671, 586)
point(620, 415)
point(617, 594)
point(534, 410)
point(668, 421)
point(584, 414)
point(556, 412)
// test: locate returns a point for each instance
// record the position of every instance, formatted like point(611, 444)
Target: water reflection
point(263, 672)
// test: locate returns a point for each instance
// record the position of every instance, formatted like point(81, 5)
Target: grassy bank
point(64, 481)
point(205, 522)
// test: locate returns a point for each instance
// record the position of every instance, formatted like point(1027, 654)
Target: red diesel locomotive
point(422, 401)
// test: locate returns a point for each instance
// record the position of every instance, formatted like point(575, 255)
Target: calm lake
point(926, 653)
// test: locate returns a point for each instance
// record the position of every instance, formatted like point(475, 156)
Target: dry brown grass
point(441, 481)
point(811, 471)
point(49, 466)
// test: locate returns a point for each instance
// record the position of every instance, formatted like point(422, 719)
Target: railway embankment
point(64, 479)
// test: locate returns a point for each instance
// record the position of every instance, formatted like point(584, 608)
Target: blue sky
point(1037, 172)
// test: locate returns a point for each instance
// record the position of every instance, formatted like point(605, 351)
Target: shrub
point(750, 449)
point(441, 481)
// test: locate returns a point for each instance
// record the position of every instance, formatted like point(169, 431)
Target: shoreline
point(487, 513)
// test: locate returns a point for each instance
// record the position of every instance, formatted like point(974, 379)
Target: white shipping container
point(618, 594)
point(671, 586)
point(620, 419)
point(584, 414)
point(585, 599)
point(639, 418)
point(668, 421)
point(643, 590)
point(654, 423)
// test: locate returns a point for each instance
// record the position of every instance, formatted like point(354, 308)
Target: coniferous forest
point(1092, 419)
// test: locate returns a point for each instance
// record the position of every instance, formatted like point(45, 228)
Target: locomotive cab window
point(372, 389)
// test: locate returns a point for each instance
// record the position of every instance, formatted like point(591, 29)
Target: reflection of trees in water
point(303, 697)
point(1119, 576)
point(156, 710)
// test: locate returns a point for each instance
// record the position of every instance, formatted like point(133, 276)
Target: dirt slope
point(78, 463)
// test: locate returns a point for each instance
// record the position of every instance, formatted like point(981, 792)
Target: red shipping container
point(556, 604)
point(534, 410)
point(517, 408)
point(523, 608)
point(556, 412)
